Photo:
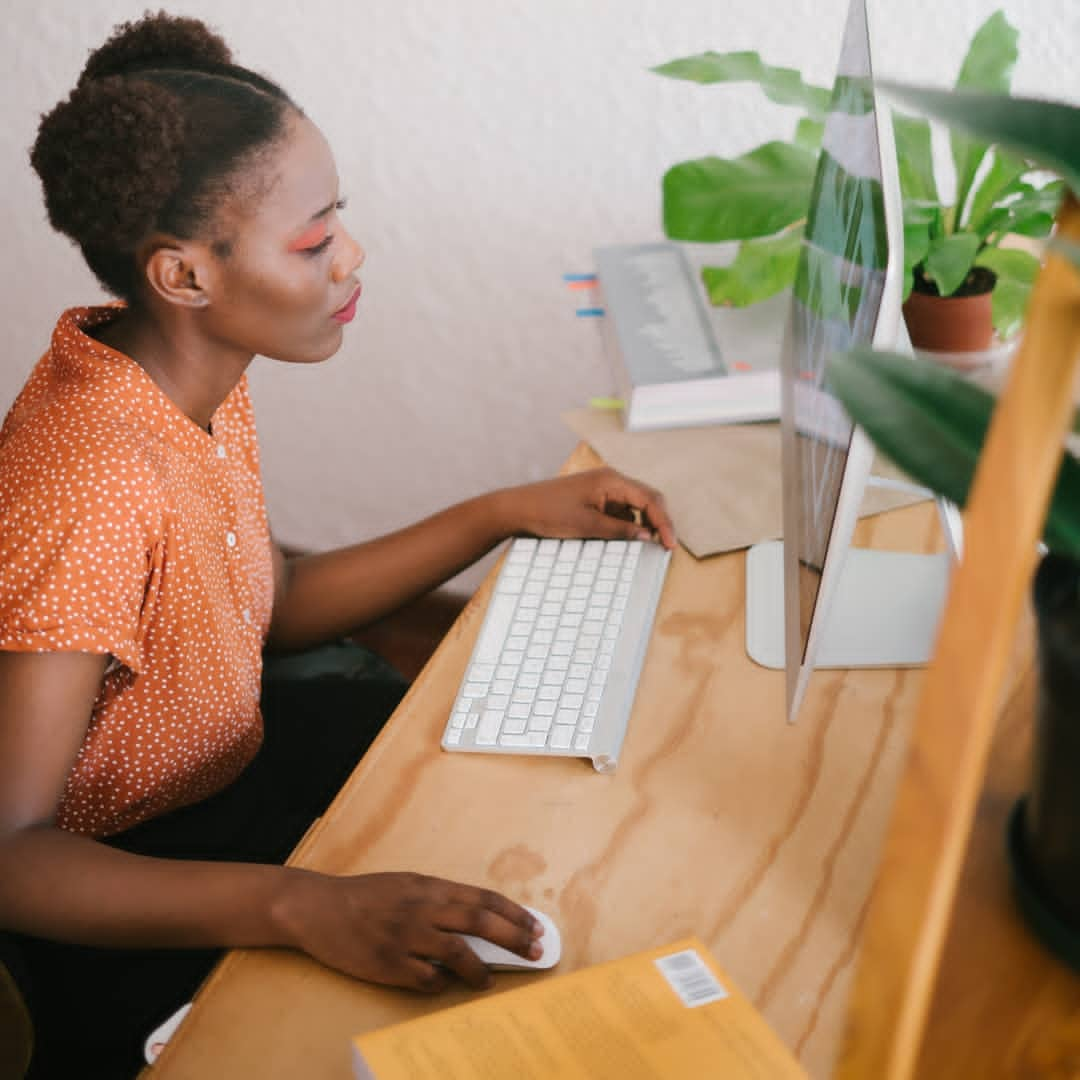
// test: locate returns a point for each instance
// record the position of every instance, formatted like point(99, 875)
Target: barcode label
point(689, 976)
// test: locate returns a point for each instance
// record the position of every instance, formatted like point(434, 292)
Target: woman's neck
point(194, 375)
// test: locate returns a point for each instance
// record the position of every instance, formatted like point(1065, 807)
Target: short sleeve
point(79, 557)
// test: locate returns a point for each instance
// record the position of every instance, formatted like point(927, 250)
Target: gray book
point(669, 367)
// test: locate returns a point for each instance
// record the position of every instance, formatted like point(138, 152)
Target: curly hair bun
point(156, 41)
point(134, 140)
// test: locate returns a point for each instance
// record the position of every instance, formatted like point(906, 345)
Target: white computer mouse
point(495, 956)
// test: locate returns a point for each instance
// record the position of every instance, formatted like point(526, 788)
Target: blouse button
point(221, 450)
point(230, 539)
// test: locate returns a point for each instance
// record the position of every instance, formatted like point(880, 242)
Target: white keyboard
point(557, 661)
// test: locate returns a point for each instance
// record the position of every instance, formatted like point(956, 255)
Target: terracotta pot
point(950, 324)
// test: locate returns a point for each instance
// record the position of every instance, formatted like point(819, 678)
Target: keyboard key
point(524, 695)
point(520, 711)
point(500, 615)
point(502, 686)
point(543, 708)
point(581, 741)
point(513, 741)
point(453, 737)
point(487, 731)
point(474, 690)
point(457, 720)
point(553, 678)
point(514, 725)
point(558, 663)
point(573, 701)
point(561, 735)
point(549, 693)
point(567, 716)
point(498, 701)
point(539, 723)
point(573, 686)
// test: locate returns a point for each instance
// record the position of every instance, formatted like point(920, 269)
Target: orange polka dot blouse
point(127, 530)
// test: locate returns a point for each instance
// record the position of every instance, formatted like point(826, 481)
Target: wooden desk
point(722, 820)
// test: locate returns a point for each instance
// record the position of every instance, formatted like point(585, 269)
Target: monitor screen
point(837, 303)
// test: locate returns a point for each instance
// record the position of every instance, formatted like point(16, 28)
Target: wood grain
point(721, 820)
point(908, 917)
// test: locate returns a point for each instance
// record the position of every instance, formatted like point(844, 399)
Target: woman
point(139, 582)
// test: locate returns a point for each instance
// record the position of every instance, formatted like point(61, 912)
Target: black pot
point(1044, 830)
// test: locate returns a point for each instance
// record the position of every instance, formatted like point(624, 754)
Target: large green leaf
point(950, 260)
point(1000, 181)
point(761, 269)
point(782, 85)
point(1046, 132)
point(932, 423)
point(915, 159)
point(987, 67)
point(758, 194)
point(1029, 211)
point(1015, 272)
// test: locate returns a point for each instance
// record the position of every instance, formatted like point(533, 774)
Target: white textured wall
point(486, 148)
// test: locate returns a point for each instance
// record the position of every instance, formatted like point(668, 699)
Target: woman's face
point(288, 284)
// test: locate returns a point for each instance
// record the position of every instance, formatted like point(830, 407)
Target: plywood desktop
point(761, 838)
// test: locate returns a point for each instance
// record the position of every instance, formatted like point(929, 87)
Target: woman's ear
point(177, 271)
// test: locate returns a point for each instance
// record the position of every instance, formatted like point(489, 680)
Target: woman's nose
point(349, 258)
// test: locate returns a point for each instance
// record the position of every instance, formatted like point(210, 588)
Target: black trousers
point(93, 1008)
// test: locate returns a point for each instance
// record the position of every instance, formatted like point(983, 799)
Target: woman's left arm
point(319, 597)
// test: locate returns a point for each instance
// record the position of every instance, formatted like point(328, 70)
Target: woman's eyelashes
point(317, 249)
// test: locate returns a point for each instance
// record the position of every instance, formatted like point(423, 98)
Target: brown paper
point(721, 483)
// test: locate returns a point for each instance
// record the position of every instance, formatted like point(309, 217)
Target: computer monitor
point(840, 607)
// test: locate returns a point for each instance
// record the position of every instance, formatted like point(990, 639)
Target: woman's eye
point(320, 247)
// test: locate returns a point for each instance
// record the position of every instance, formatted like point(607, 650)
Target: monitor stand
point(884, 613)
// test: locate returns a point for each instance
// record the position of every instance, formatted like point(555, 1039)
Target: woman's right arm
point(55, 884)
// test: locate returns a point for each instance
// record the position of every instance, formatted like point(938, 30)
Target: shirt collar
point(78, 357)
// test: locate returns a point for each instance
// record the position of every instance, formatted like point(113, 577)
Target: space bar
point(500, 613)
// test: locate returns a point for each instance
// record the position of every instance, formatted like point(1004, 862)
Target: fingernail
point(644, 534)
point(536, 950)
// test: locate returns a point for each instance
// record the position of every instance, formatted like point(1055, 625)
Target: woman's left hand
point(599, 503)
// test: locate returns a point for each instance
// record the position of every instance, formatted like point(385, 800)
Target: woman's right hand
point(401, 929)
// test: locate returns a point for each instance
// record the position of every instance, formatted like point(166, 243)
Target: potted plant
point(932, 423)
point(951, 250)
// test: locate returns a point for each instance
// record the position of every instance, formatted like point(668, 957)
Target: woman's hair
point(152, 139)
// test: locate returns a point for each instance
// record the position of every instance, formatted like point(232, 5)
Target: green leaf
point(809, 133)
point(915, 159)
point(987, 67)
point(932, 423)
point(1046, 132)
point(761, 269)
point(1000, 180)
point(1016, 271)
point(916, 246)
point(758, 194)
point(950, 260)
point(991, 57)
point(782, 85)
point(1026, 213)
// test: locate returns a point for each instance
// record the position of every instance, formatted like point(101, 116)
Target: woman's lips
point(345, 314)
